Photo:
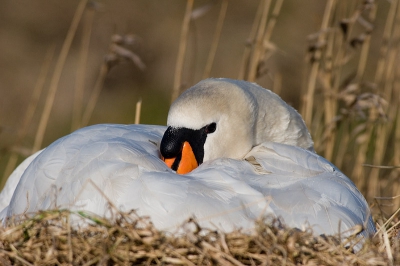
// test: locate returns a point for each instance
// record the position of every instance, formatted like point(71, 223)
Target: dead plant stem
point(250, 43)
point(31, 109)
point(316, 64)
point(81, 69)
point(182, 50)
point(258, 47)
point(56, 76)
point(95, 95)
point(215, 42)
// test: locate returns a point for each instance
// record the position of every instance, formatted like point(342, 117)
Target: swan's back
point(121, 164)
point(223, 194)
point(109, 154)
point(305, 187)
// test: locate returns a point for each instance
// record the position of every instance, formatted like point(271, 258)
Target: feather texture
point(123, 165)
point(258, 160)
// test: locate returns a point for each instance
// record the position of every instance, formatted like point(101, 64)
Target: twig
point(138, 111)
point(15, 256)
point(380, 166)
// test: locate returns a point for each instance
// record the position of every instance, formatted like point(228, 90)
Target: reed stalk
point(250, 43)
point(30, 111)
point(258, 46)
point(272, 21)
point(383, 130)
point(182, 50)
point(94, 96)
point(81, 69)
point(215, 42)
point(312, 79)
point(329, 99)
point(395, 175)
point(138, 111)
point(56, 76)
point(387, 33)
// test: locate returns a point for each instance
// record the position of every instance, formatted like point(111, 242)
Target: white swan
point(220, 122)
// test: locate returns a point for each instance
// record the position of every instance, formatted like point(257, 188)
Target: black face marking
point(173, 139)
point(211, 128)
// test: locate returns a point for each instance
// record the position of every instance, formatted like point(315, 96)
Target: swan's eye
point(211, 128)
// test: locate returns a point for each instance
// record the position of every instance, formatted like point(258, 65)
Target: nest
point(49, 238)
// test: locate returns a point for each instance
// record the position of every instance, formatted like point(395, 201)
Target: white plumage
point(280, 173)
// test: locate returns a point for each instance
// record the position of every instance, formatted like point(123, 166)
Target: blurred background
point(29, 30)
point(124, 51)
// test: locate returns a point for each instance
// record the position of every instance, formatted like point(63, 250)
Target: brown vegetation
point(49, 239)
point(350, 100)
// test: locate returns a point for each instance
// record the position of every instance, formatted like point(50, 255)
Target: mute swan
point(251, 153)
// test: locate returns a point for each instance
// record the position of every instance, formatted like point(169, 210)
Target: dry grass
point(12, 161)
point(360, 113)
point(351, 101)
point(57, 75)
point(49, 239)
point(182, 50)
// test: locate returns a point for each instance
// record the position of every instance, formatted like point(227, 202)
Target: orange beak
point(188, 160)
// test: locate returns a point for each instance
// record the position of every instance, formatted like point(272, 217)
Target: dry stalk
point(329, 101)
point(384, 130)
point(215, 42)
point(56, 76)
point(258, 46)
point(182, 50)
point(358, 171)
point(355, 133)
point(387, 34)
point(312, 80)
point(49, 238)
point(361, 156)
point(365, 46)
point(272, 21)
point(344, 136)
point(396, 156)
point(94, 96)
point(81, 69)
point(31, 109)
point(334, 71)
point(330, 77)
point(117, 53)
point(138, 111)
point(250, 42)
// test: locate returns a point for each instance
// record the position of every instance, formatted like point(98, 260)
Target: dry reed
point(215, 42)
point(118, 52)
point(30, 111)
point(81, 69)
point(56, 76)
point(354, 120)
point(359, 114)
point(138, 110)
point(49, 239)
point(182, 50)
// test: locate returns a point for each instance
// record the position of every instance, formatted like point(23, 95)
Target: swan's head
point(225, 118)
